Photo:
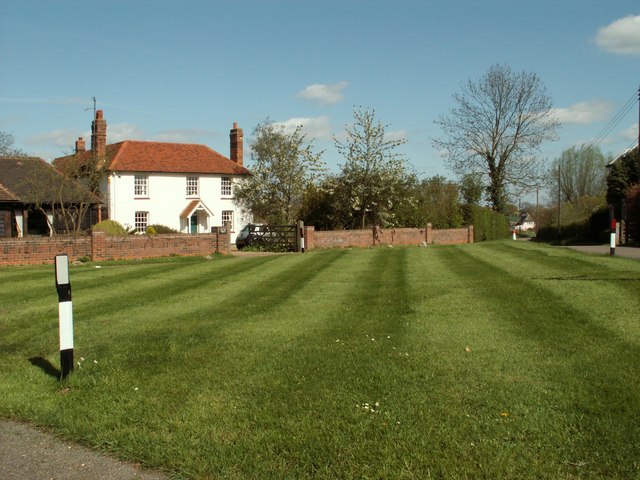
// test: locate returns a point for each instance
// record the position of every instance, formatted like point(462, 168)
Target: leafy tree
point(283, 166)
point(324, 205)
point(438, 202)
point(495, 129)
point(580, 175)
point(373, 174)
point(6, 146)
point(471, 188)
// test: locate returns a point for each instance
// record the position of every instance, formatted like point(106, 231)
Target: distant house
point(187, 187)
point(35, 199)
point(525, 222)
point(622, 172)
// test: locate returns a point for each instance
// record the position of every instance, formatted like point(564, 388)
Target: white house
point(525, 222)
point(187, 187)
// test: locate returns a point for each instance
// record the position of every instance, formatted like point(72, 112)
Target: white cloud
point(65, 138)
point(324, 94)
point(314, 128)
point(584, 112)
point(630, 133)
point(54, 138)
point(187, 135)
point(122, 131)
point(396, 135)
point(621, 36)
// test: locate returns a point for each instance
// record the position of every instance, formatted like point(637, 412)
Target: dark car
point(251, 233)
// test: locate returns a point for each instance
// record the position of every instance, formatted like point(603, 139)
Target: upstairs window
point(226, 186)
point(192, 186)
point(141, 186)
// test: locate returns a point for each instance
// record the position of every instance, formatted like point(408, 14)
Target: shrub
point(110, 227)
point(162, 229)
point(594, 229)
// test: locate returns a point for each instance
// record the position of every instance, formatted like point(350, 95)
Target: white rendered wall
point(167, 199)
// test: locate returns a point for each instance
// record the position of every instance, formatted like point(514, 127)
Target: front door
point(194, 223)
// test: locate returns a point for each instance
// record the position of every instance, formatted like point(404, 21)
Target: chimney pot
point(80, 145)
point(236, 144)
point(99, 135)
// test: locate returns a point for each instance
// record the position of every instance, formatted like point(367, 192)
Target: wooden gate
point(277, 238)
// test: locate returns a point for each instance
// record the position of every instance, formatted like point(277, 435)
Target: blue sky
point(186, 70)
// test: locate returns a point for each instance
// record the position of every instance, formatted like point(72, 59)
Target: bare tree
point(6, 146)
point(496, 128)
point(64, 193)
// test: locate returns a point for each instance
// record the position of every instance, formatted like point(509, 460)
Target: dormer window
point(192, 186)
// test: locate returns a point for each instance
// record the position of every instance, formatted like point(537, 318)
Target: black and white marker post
point(65, 315)
point(301, 236)
point(612, 243)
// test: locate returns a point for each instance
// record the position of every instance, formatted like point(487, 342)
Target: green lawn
point(496, 360)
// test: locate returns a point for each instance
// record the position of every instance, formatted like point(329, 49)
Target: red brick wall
point(37, 250)
point(148, 246)
point(98, 246)
point(451, 236)
point(386, 236)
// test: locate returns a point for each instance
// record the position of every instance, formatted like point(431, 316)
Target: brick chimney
point(99, 135)
point(235, 137)
point(80, 145)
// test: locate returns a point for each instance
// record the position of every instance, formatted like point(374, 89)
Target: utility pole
point(537, 209)
point(559, 188)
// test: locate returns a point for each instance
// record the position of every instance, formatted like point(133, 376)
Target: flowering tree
point(373, 173)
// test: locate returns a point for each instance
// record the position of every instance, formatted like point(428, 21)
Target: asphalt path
point(27, 453)
point(627, 252)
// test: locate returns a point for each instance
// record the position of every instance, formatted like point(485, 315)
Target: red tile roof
point(139, 156)
point(164, 157)
point(191, 206)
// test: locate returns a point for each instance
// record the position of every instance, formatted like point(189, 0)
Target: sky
point(186, 70)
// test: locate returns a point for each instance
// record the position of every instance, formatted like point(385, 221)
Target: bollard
point(65, 314)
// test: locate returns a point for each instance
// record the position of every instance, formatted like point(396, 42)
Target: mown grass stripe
point(589, 393)
point(261, 367)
